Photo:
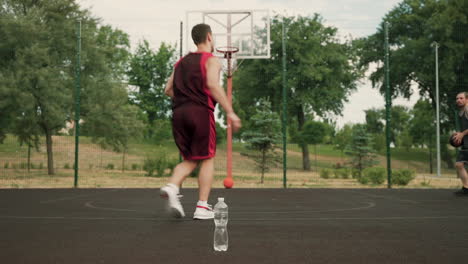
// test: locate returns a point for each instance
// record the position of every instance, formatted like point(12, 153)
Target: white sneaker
point(203, 212)
point(174, 206)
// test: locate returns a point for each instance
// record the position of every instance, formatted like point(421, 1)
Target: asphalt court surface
point(265, 226)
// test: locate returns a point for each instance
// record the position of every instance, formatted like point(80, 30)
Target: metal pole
point(436, 46)
point(229, 97)
point(388, 107)
point(285, 108)
point(181, 39)
point(77, 99)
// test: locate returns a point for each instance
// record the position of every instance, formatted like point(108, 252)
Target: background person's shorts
point(462, 155)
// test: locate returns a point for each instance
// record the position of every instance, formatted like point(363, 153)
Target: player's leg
point(461, 172)
point(205, 181)
point(181, 172)
point(171, 190)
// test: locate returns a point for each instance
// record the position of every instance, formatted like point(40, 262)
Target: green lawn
point(11, 151)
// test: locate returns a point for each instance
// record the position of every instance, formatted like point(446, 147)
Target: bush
point(373, 176)
point(149, 165)
point(355, 173)
point(325, 174)
point(403, 176)
point(342, 173)
point(23, 165)
point(41, 166)
point(171, 165)
point(6, 166)
point(157, 165)
point(110, 166)
point(161, 165)
point(66, 166)
point(135, 166)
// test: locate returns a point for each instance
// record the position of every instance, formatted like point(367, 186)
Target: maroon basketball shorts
point(194, 130)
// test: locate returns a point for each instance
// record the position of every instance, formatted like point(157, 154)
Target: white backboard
point(247, 30)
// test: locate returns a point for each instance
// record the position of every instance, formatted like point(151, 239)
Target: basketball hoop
point(240, 34)
point(229, 66)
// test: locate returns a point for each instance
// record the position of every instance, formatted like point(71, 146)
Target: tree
point(313, 133)
point(263, 136)
point(322, 72)
point(405, 140)
point(423, 127)
point(414, 26)
point(148, 72)
point(375, 121)
point(343, 138)
point(37, 58)
point(360, 148)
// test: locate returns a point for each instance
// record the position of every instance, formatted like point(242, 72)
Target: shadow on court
point(265, 226)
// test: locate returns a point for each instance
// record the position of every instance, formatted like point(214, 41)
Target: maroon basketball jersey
point(190, 83)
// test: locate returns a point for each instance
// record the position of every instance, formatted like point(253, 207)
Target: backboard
point(247, 30)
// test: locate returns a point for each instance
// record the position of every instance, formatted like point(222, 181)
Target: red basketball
point(228, 183)
point(452, 142)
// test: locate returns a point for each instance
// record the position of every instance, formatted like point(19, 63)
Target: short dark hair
point(200, 33)
point(464, 93)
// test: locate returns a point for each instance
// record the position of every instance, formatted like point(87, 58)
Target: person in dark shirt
point(462, 137)
point(194, 88)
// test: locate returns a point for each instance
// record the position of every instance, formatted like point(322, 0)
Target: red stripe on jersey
point(203, 61)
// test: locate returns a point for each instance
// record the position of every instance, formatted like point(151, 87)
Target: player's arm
point(169, 85)
point(213, 68)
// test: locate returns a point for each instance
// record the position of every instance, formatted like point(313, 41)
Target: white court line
point(76, 196)
point(368, 206)
point(90, 205)
point(391, 218)
point(384, 197)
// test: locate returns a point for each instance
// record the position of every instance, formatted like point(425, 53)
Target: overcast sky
point(159, 20)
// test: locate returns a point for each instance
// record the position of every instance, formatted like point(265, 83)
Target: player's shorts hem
point(200, 157)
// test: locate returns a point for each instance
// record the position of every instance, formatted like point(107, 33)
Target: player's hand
point(236, 123)
point(458, 137)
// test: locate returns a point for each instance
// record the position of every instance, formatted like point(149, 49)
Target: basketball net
point(229, 64)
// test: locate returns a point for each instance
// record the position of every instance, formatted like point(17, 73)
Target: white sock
point(202, 203)
point(176, 188)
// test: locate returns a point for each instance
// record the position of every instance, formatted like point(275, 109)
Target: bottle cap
point(220, 199)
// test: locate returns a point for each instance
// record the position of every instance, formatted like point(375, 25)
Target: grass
point(103, 167)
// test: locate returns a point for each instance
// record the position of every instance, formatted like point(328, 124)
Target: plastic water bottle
point(220, 242)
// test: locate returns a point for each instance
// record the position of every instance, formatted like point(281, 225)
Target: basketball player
point(462, 158)
point(195, 90)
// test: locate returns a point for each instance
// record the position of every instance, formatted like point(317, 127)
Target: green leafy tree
point(414, 26)
point(148, 73)
point(423, 127)
point(379, 142)
point(263, 135)
point(313, 133)
point(360, 149)
point(375, 121)
point(405, 140)
point(343, 138)
point(321, 69)
point(37, 58)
